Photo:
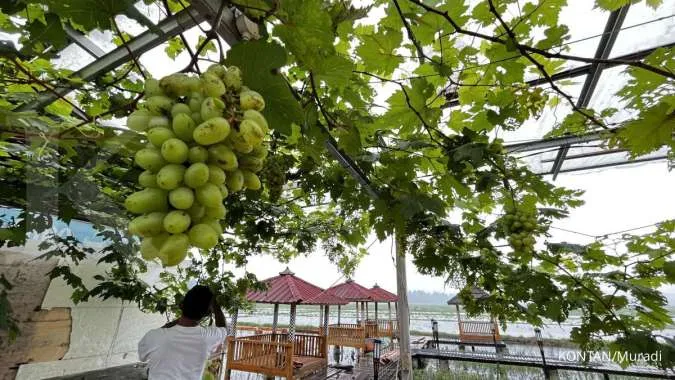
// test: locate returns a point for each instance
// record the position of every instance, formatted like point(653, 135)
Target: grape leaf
point(611, 5)
point(649, 132)
point(259, 62)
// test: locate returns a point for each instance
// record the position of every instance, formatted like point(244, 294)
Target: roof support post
point(339, 311)
point(403, 312)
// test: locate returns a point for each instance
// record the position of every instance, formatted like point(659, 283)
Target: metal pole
point(540, 343)
point(403, 313)
point(233, 335)
point(357, 313)
point(275, 320)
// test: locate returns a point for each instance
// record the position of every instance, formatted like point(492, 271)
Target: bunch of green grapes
point(275, 178)
point(519, 226)
point(206, 139)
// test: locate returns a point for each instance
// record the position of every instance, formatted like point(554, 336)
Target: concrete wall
point(71, 338)
point(45, 334)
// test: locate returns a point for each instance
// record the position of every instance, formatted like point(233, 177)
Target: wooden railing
point(310, 345)
point(478, 331)
point(385, 328)
point(261, 354)
point(349, 335)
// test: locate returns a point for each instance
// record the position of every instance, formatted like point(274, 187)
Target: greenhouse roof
point(631, 32)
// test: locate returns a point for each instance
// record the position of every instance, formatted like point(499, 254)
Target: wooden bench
point(478, 332)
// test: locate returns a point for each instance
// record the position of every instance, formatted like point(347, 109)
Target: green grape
point(150, 159)
point(184, 127)
point(175, 151)
point(146, 201)
point(180, 108)
point(203, 236)
point(159, 121)
point(150, 246)
point(251, 163)
point(239, 143)
point(196, 212)
point(212, 85)
point(151, 88)
point(139, 120)
point(216, 175)
point(176, 222)
point(235, 181)
point(197, 175)
point(197, 118)
point(147, 179)
point(232, 78)
point(178, 84)
point(223, 190)
point(212, 131)
point(170, 176)
point(217, 212)
point(223, 156)
point(251, 132)
point(215, 225)
point(195, 101)
point(147, 225)
point(181, 198)
point(251, 100)
point(158, 104)
point(251, 180)
point(258, 118)
point(198, 154)
point(211, 107)
point(217, 69)
point(158, 135)
point(260, 151)
point(209, 195)
point(174, 250)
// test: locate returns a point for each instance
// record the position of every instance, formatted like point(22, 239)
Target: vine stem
point(542, 52)
point(47, 86)
point(210, 35)
point(124, 43)
point(542, 69)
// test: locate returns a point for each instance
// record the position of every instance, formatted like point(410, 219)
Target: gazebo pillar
point(339, 310)
point(275, 321)
point(291, 324)
point(389, 306)
point(375, 311)
point(367, 314)
point(232, 335)
point(358, 315)
point(325, 331)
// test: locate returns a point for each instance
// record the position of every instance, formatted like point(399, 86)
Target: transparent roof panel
point(610, 159)
point(72, 57)
point(586, 24)
point(611, 81)
point(646, 28)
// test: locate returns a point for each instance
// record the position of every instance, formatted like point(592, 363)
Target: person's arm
point(218, 314)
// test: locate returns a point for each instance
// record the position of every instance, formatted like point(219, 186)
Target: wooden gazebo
point(385, 327)
point(290, 355)
point(477, 332)
point(353, 334)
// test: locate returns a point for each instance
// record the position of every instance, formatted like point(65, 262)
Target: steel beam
point(166, 29)
point(558, 141)
point(227, 27)
point(82, 41)
point(586, 155)
point(612, 30)
point(612, 164)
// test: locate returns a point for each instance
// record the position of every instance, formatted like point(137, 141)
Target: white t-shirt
point(179, 352)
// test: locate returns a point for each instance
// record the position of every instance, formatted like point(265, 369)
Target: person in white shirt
point(179, 349)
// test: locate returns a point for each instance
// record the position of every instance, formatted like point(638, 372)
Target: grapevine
point(206, 140)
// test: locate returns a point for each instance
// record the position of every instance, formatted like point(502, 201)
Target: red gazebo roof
point(351, 291)
point(286, 288)
point(381, 295)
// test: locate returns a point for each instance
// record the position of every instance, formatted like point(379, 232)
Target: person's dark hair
point(197, 302)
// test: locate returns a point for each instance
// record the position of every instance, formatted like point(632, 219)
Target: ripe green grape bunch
point(206, 140)
point(520, 226)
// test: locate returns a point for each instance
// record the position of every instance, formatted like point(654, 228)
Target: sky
point(616, 198)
